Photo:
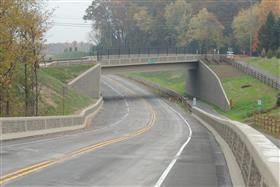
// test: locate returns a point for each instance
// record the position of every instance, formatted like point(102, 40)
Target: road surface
point(137, 139)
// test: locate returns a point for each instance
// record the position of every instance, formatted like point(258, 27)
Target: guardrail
point(20, 127)
point(257, 157)
point(258, 75)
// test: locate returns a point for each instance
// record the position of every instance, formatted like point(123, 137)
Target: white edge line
point(172, 163)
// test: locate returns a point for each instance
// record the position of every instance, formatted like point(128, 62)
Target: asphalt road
point(137, 139)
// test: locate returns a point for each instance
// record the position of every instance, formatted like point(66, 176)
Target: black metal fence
point(274, 83)
point(120, 52)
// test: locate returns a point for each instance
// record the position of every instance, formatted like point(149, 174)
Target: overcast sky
point(68, 21)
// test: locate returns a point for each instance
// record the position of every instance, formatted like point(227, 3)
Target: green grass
point(244, 99)
point(170, 79)
point(53, 79)
point(66, 73)
point(271, 66)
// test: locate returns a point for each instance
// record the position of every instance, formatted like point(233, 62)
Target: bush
point(269, 53)
point(278, 100)
point(277, 53)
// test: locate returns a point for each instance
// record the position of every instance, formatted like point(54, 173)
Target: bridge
point(201, 81)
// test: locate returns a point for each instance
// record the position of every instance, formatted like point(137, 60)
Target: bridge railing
point(129, 52)
point(148, 60)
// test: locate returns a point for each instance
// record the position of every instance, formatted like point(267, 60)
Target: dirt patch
point(225, 71)
point(47, 96)
point(246, 86)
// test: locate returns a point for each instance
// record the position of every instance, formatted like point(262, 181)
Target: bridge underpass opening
point(200, 81)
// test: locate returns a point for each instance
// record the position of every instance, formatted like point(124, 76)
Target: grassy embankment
point(244, 99)
point(270, 66)
point(52, 80)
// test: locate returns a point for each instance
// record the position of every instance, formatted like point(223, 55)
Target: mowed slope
point(243, 90)
point(52, 82)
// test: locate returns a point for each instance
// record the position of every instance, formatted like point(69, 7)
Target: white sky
point(68, 21)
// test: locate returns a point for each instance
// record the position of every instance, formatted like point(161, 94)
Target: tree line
point(201, 26)
point(22, 25)
point(261, 22)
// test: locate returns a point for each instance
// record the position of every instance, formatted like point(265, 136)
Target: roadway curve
point(137, 139)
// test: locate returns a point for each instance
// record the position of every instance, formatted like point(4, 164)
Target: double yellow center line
point(33, 168)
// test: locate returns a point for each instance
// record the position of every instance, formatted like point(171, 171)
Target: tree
point(177, 16)
point(246, 23)
point(225, 10)
point(267, 6)
point(128, 23)
point(156, 23)
point(9, 52)
point(206, 30)
point(266, 35)
point(22, 25)
point(275, 43)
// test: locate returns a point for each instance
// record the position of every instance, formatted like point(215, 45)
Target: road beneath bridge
point(137, 139)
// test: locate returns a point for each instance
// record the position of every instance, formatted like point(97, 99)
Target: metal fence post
point(108, 53)
point(157, 51)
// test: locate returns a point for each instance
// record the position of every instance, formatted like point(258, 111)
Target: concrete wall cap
point(83, 74)
point(265, 154)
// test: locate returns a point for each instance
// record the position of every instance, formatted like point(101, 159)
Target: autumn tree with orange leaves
point(249, 21)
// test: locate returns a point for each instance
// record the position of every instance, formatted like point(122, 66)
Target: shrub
point(278, 100)
point(277, 53)
point(269, 53)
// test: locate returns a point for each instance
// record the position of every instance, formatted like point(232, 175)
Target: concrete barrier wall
point(88, 83)
point(20, 127)
point(257, 157)
point(253, 160)
point(203, 83)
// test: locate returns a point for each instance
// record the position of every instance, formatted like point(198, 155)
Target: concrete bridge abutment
point(203, 83)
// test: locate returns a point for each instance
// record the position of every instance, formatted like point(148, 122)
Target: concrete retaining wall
point(20, 127)
point(88, 83)
point(257, 157)
point(203, 83)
